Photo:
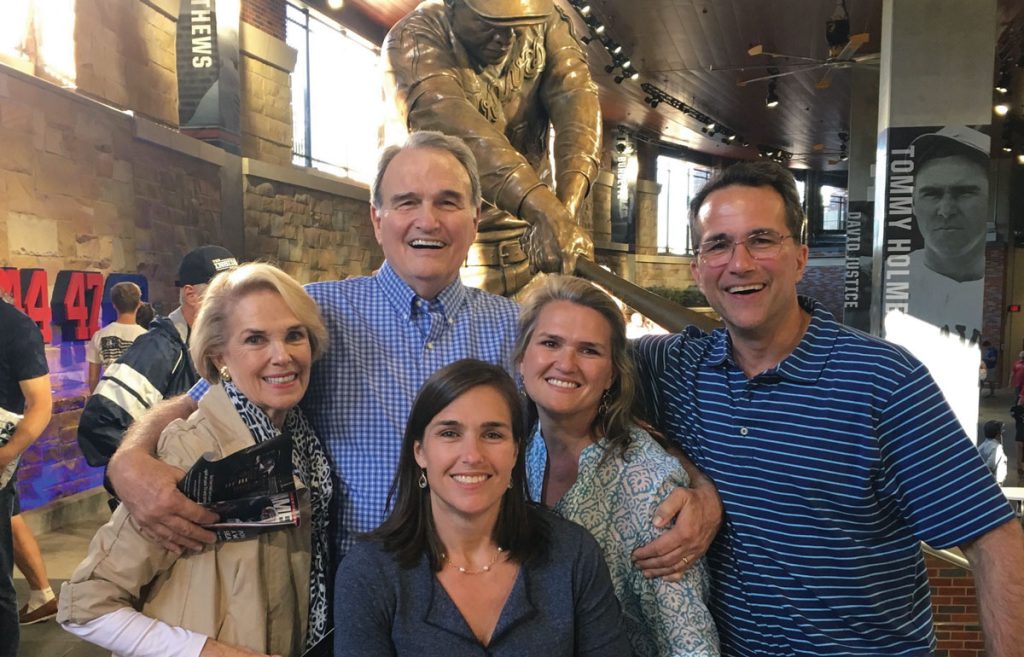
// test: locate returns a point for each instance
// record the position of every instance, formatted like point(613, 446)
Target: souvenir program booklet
point(251, 490)
point(8, 422)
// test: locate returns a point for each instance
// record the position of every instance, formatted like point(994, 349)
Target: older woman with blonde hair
point(592, 463)
point(256, 335)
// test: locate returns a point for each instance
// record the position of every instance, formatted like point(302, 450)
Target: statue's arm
point(571, 98)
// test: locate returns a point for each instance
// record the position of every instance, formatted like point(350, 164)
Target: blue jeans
point(8, 598)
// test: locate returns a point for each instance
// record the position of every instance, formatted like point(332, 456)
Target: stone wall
point(266, 112)
point(312, 235)
point(79, 191)
point(663, 271)
point(125, 55)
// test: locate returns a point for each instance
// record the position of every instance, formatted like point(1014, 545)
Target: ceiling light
point(1003, 83)
point(599, 29)
point(772, 99)
point(585, 9)
point(1007, 148)
point(731, 138)
point(634, 76)
point(1001, 109)
point(618, 79)
point(712, 126)
point(1020, 158)
point(616, 49)
point(335, 4)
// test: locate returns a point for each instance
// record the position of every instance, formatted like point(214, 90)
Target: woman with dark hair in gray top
point(464, 561)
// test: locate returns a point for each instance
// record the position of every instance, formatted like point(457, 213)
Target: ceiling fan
point(842, 51)
point(838, 155)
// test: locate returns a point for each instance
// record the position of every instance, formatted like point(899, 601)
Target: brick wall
point(994, 312)
point(314, 236)
point(955, 609)
point(268, 15)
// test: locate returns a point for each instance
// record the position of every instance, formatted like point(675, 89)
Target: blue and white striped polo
point(831, 467)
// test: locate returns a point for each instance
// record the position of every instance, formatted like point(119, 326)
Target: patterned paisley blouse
point(615, 500)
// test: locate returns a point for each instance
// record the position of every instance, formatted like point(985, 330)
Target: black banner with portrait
point(936, 216)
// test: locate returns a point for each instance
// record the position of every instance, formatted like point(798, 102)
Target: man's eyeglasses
point(762, 245)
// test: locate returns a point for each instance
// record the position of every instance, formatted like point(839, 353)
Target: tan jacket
point(252, 593)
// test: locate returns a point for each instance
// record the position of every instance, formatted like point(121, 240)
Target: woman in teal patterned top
point(591, 463)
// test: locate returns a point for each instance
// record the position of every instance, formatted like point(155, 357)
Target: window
point(834, 208)
point(680, 181)
point(38, 37)
point(337, 102)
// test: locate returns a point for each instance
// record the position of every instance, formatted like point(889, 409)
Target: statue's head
point(486, 27)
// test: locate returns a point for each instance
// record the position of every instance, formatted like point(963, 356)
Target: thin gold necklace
point(467, 571)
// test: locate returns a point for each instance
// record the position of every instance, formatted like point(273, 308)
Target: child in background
point(991, 450)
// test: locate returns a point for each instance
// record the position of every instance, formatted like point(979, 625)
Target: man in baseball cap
point(156, 366)
point(203, 263)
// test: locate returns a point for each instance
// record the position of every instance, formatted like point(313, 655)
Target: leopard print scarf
point(314, 470)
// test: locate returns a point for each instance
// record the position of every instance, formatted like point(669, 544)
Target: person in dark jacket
point(156, 366)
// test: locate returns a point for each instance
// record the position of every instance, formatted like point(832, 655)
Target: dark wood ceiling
point(681, 46)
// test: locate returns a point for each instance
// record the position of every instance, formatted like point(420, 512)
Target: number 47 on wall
point(76, 302)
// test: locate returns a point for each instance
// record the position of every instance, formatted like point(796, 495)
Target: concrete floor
point(65, 548)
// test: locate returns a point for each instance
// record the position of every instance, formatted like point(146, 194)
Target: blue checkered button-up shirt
point(385, 342)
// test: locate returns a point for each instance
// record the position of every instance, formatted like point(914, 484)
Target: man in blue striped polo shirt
point(834, 452)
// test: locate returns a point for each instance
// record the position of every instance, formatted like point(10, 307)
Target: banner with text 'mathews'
point(209, 84)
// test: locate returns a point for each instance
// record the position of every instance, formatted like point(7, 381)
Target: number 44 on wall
point(78, 298)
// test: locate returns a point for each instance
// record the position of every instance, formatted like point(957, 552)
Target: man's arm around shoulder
point(149, 488)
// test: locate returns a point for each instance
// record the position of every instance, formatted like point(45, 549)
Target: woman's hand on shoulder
point(214, 648)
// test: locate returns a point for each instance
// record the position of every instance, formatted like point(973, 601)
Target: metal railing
point(670, 316)
point(950, 557)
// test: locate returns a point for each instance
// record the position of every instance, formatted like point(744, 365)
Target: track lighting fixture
point(1001, 109)
point(772, 99)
